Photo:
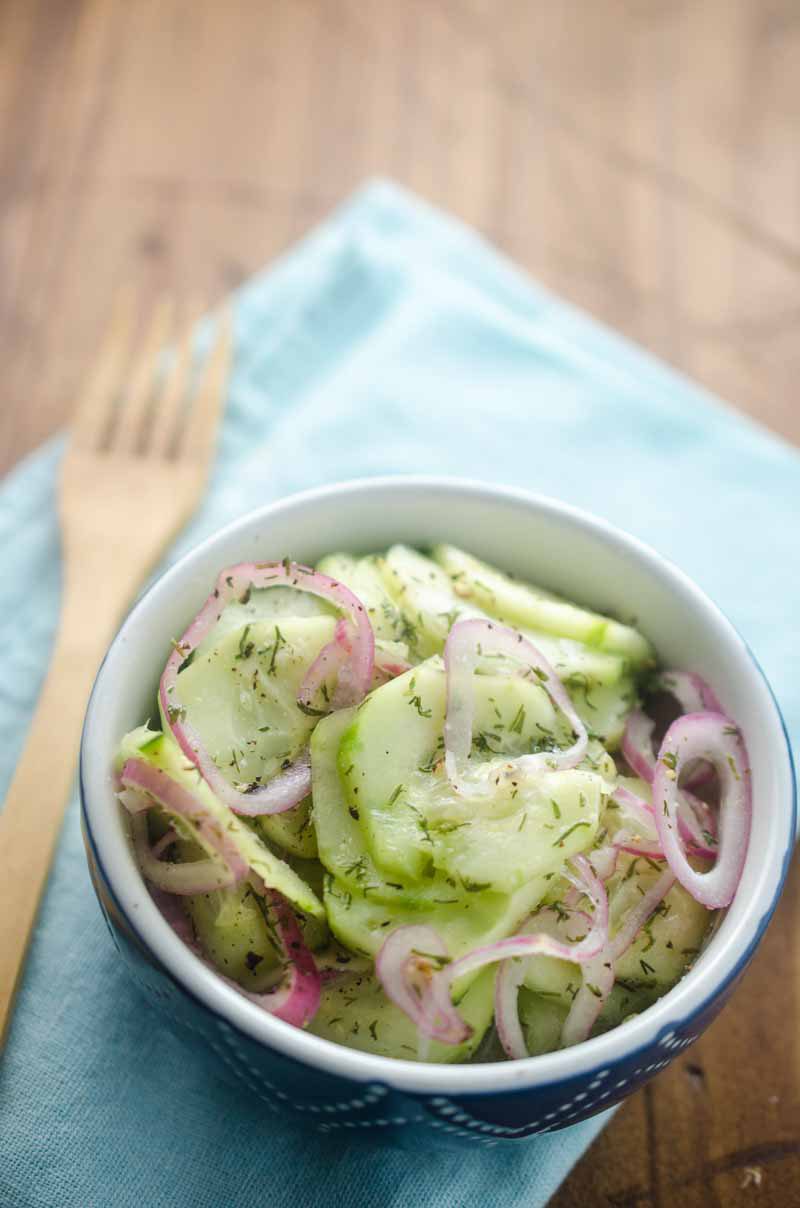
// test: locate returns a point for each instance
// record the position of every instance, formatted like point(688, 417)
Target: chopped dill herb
point(559, 842)
point(519, 721)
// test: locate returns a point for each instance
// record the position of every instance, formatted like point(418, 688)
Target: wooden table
point(639, 157)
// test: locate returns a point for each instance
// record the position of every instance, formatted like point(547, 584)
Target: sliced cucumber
point(625, 1001)
point(414, 822)
point(542, 1019)
point(292, 832)
point(341, 839)
point(668, 945)
point(542, 1015)
point(603, 708)
point(264, 604)
point(522, 604)
point(424, 595)
point(463, 921)
point(364, 578)
point(355, 1011)
point(241, 696)
point(231, 927)
point(164, 753)
point(431, 604)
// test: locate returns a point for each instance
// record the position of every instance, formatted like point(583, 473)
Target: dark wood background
point(640, 157)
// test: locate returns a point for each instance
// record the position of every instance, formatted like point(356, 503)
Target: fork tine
point(93, 413)
point(134, 406)
point(170, 405)
point(206, 406)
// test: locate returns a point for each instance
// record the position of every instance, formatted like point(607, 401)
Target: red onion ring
point(412, 981)
point(138, 774)
point(416, 975)
point(597, 981)
point(691, 691)
point(636, 918)
point(510, 977)
point(297, 998)
point(467, 643)
point(598, 974)
point(167, 839)
point(695, 818)
point(196, 876)
point(637, 745)
point(694, 695)
point(330, 660)
point(290, 786)
point(715, 739)
point(390, 671)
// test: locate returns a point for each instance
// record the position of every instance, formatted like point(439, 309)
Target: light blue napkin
point(392, 340)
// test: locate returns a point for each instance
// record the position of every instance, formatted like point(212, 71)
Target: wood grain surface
point(640, 157)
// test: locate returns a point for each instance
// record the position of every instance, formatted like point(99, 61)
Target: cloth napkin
point(392, 340)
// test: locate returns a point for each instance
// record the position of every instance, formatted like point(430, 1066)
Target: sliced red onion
point(391, 670)
point(597, 981)
point(604, 860)
point(165, 842)
point(510, 977)
point(153, 784)
point(329, 661)
point(598, 974)
point(637, 745)
point(694, 695)
point(716, 739)
point(641, 810)
point(416, 974)
point(294, 783)
point(467, 644)
point(690, 690)
point(195, 876)
point(408, 967)
point(638, 915)
point(297, 998)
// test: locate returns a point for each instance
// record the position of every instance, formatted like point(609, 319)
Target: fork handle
point(30, 821)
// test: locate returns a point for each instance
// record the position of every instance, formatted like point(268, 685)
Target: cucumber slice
point(542, 1015)
point(522, 604)
point(164, 753)
point(603, 708)
point(292, 831)
point(264, 604)
point(340, 837)
point(232, 931)
point(670, 942)
point(424, 595)
point(388, 740)
point(340, 840)
point(354, 1011)
point(464, 922)
point(431, 604)
point(623, 1002)
point(542, 1019)
point(241, 695)
point(363, 577)
point(413, 821)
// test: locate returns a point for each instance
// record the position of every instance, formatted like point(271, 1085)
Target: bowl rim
point(691, 997)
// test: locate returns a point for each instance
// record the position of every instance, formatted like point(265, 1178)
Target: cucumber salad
point(421, 808)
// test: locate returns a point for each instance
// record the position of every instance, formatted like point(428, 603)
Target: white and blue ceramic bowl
point(331, 1089)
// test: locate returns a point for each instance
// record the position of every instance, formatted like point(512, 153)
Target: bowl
point(331, 1089)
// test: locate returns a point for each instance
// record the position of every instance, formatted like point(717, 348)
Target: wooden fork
point(134, 471)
